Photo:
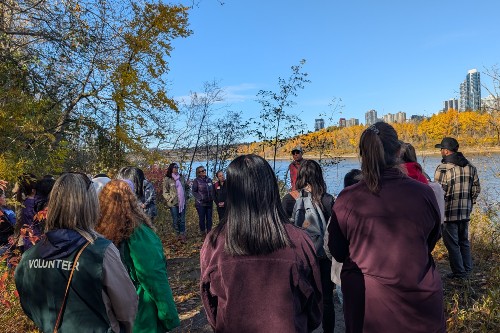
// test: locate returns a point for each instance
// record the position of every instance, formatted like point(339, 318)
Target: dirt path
point(185, 274)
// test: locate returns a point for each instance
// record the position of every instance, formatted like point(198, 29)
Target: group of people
point(205, 192)
point(97, 265)
point(271, 264)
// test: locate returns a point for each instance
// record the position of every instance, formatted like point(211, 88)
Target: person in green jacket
point(124, 223)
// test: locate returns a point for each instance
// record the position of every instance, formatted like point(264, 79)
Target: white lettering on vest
point(57, 264)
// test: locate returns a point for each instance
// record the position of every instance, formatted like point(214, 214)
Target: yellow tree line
point(470, 128)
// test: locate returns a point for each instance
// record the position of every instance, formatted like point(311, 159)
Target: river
point(488, 168)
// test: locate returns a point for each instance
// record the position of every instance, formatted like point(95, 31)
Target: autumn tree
point(99, 64)
point(275, 123)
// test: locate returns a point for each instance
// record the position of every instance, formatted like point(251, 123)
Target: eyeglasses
point(175, 167)
point(85, 177)
point(202, 171)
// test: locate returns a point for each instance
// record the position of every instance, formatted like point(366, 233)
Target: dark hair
point(170, 169)
point(379, 149)
point(255, 220)
point(408, 154)
point(198, 170)
point(217, 173)
point(352, 177)
point(310, 173)
point(136, 176)
point(43, 188)
point(26, 183)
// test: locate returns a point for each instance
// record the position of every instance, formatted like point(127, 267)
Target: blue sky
point(385, 55)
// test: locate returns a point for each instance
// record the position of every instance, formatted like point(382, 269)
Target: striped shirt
point(461, 188)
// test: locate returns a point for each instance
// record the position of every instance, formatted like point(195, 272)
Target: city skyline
point(372, 56)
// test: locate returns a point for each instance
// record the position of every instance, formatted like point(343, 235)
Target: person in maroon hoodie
point(258, 272)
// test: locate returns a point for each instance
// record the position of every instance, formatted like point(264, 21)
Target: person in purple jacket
point(383, 229)
point(258, 272)
point(203, 195)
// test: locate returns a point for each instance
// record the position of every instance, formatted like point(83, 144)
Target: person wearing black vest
point(220, 194)
point(101, 297)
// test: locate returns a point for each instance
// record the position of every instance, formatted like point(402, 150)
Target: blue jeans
point(205, 217)
point(339, 294)
point(456, 240)
point(179, 220)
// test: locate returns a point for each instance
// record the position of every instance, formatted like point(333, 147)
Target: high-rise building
point(352, 122)
point(490, 103)
point(388, 118)
point(319, 124)
point(342, 122)
point(370, 117)
point(400, 117)
point(470, 91)
point(450, 104)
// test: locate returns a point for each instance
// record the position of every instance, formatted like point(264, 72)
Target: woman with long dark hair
point(384, 229)
point(409, 161)
point(258, 272)
point(100, 297)
point(310, 183)
point(128, 227)
point(143, 188)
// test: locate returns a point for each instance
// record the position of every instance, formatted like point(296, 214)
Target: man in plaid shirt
point(460, 183)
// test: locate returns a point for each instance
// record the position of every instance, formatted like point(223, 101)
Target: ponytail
point(379, 148)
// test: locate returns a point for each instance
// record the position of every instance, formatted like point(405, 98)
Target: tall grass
point(473, 305)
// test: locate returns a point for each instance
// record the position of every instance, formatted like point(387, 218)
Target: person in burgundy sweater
point(383, 229)
point(259, 273)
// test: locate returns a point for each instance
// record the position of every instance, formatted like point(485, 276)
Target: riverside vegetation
point(471, 306)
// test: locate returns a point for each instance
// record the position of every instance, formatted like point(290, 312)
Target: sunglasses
point(202, 171)
point(296, 152)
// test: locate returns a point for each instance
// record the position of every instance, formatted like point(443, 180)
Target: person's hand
point(3, 184)
point(221, 204)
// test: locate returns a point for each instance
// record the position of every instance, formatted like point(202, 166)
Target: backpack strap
point(61, 311)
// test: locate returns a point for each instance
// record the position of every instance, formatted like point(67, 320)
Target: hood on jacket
point(456, 158)
point(60, 243)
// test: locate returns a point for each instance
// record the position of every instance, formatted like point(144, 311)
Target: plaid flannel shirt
point(461, 188)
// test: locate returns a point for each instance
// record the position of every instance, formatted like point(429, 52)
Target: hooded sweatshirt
point(101, 297)
point(460, 182)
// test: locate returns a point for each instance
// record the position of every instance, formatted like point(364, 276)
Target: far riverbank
point(422, 153)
